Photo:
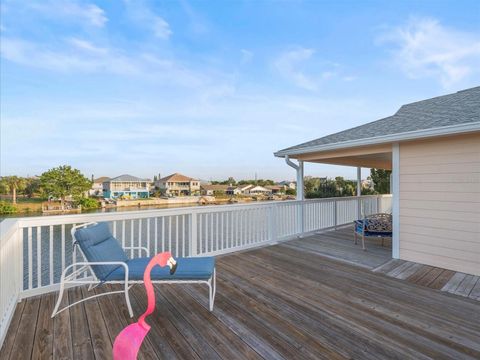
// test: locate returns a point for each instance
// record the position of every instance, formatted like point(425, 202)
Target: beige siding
point(440, 202)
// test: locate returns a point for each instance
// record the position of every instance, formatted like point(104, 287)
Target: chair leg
point(127, 299)
point(59, 300)
point(363, 242)
point(212, 290)
point(355, 236)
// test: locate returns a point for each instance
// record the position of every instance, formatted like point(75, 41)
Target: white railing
point(35, 250)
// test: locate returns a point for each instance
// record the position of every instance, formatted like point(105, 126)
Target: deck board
point(278, 302)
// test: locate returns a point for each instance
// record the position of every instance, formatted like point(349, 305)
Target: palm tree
point(12, 184)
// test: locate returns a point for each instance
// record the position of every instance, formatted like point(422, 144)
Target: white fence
point(34, 251)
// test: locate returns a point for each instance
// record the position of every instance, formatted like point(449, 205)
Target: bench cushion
point(194, 268)
point(98, 244)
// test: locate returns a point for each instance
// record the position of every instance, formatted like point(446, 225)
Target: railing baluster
point(170, 233)
point(30, 255)
point(163, 233)
point(39, 256)
point(131, 238)
point(50, 255)
point(139, 251)
point(177, 239)
point(123, 233)
point(114, 226)
point(156, 235)
point(63, 246)
point(183, 235)
point(148, 235)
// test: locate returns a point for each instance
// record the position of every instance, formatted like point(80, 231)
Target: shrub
point(7, 208)
point(88, 203)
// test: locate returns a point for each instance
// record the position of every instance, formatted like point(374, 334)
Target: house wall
point(440, 202)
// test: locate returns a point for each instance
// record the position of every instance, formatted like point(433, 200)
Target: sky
point(212, 89)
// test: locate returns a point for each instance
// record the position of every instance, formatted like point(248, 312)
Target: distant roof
point(176, 178)
point(447, 112)
point(101, 179)
point(126, 177)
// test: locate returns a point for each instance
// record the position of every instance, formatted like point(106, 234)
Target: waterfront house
point(126, 187)
point(211, 190)
point(289, 184)
point(433, 149)
point(97, 186)
point(259, 190)
point(276, 189)
point(178, 185)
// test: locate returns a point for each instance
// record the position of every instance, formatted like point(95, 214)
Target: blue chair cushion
point(98, 245)
point(194, 268)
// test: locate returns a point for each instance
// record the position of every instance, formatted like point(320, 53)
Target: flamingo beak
point(172, 264)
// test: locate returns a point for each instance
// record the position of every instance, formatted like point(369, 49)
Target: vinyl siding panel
point(440, 202)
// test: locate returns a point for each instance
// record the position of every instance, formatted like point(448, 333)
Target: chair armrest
point(137, 248)
point(96, 263)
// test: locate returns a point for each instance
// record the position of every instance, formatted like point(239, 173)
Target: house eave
point(391, 138)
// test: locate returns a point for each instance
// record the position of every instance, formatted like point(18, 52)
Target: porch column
point(300, 187)
point(395, 190)
point(300, 191)
point(359, 193)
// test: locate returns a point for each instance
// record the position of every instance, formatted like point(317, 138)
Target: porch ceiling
point(367, 156)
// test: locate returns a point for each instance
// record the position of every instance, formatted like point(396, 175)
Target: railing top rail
point(140, 214)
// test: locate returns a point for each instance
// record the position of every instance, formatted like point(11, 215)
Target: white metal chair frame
point(85, 267)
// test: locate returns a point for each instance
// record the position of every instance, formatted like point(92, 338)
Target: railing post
point(20, 259)
point(193, 234)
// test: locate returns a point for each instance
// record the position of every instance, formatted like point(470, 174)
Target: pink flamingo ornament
point(128, 342)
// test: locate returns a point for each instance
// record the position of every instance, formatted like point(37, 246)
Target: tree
point(32, 186)
point(64, 181)
point(381, 180)
point(12, 184)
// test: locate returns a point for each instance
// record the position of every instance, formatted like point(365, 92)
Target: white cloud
point(66, 59)
point(289, 64)
point(161, 28)
point(70, 10)
point(144, 17)
point(425, 48)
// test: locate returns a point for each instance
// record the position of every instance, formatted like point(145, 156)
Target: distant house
point(126, 186)
point(97, 186)
point(178, 185)
point(277, 189)
point(259, 190)
point(289, 184)
point(210, 190)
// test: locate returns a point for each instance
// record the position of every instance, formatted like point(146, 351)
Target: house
point(289, 184)
point(178, 185)
point(276, 189)
point(127, 187)
point(97, 186)
point(433, 149)
point(210, 190)
point(259, 190)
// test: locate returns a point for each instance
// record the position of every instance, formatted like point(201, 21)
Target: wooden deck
point(433, 277)
point(338, 244)
point(277, 302)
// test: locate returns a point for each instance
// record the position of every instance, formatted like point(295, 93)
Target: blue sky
point(212, 89)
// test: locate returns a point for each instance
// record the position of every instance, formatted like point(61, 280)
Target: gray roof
point(126, 177)
point(462, 107)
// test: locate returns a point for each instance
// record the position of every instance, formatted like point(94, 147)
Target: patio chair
point(106, 262)
point(376, 225)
